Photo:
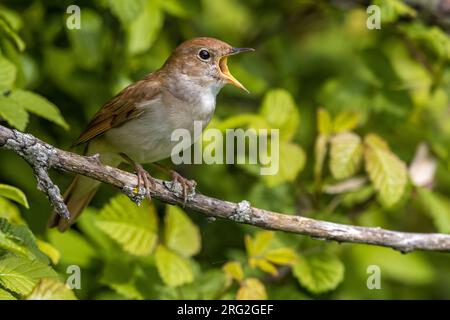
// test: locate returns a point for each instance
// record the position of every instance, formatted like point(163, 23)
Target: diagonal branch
point(42, 156)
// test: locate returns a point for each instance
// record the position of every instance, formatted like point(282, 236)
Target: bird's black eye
point(204, 54)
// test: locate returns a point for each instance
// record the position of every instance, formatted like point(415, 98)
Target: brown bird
point(136, 125)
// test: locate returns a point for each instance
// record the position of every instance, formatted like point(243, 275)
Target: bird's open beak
point(224, 68)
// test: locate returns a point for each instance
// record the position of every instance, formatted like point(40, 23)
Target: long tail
point(77, 197)
point(82, 189)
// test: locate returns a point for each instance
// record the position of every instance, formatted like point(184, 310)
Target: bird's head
point(204, 62)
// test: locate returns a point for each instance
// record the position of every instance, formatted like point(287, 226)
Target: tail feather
point(77, 197)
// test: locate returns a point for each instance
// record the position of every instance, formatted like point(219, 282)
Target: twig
point(42, 156)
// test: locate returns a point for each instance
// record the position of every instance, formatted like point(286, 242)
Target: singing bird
point(136, 125)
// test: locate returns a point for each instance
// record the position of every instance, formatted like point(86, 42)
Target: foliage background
point(317, 72)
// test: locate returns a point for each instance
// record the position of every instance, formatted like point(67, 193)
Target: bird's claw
point(144, 179)
point(186, 184)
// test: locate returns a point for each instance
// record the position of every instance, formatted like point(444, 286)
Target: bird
point(135, 126)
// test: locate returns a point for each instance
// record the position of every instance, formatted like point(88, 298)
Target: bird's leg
point(144, 179)
point(186, 184)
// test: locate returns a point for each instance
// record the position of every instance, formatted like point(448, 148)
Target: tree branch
point(42, 156)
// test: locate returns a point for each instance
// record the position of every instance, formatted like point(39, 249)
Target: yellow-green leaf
point(346, 121)
point(233, 270)
point(320, 152)
point(291, 161)
point(180, 233)
point(13, 193)
point(259, 244)
point(133, 227)
point(173, 269)
point(51, 289)
point(319, 272)
point(264, 265)
point(282, 256)
point(324, 122)
point(5, 295)
point(386, 171)
point(7, 74)
point(345, 154)
point(20, 275)
point(49, 250)
point(252, 289)
point(437, 207)
point(13, 112)
point(280, 112)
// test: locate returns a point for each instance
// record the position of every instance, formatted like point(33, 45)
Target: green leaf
point(143, 31)
point(19, 240)
point(20, 275)
point(5, 295)
point(173, 269)
point(252, 289)
point(13, 112)
point(180, 233)
point(38, 105)
point(391, 10)
point(13, 193)
point(127, 10)
point(411, 269)
point(345, 154)
point(233, 270)
point(319, 272)
point(49, 250)
point(51, 289)
point(437, 207)
point(258, 245)
point(386, 171)
point(10, 212)
point(346, 121)
point(134, 228)
point(324, 122)
point(280, 112)
point(282, 256)
point(74, 248)
point(7, 74)
point(7, 29)
point(291, 161)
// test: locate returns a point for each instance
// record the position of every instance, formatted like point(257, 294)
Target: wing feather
point(123, 107)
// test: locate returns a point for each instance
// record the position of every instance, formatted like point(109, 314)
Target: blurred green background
point(318, 74)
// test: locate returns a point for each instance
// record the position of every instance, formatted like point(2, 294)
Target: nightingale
point(136, 125)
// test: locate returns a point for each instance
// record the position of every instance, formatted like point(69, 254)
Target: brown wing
point(121, 108)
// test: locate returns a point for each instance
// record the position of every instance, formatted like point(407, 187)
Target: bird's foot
point(144, 179)
point(187, 186)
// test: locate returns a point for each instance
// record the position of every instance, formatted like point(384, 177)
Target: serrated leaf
point(13, 193)
point(259, 244)
point(291, 161)
point(324, 122)
point(319, 272)
point(39, 106)
point(7, 74)
point(5, 295)
point(280, 112)
point(51, 289)
point(282, 256)
point(437, 207)
point(134, 228)
point(386, 171)
point(143, 30)
point(345, 155)
point(20, 240)
point(20, 275)
point(252, 289)
point(180, 233)
point(233, 270)
point(346, 121)
point(13, 113)
point(173, 269)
